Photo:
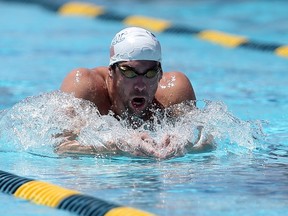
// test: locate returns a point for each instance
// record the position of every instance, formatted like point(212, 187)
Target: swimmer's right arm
point(78, 82)
point(142, 146)
point(71, 146)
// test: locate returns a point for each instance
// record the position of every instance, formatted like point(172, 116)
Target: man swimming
point(133, 87)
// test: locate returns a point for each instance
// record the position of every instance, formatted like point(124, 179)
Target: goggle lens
point(130, 73)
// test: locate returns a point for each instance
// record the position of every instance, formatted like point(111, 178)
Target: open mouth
point(138, 102)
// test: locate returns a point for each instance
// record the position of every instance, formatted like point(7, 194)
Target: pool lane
point(159, 25)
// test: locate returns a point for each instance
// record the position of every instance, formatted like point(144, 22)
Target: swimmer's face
point(136, 84)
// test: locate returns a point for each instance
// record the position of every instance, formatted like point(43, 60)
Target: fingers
point(161, 151)
point(145, 146)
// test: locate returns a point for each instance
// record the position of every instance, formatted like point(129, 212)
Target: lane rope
point(43, 193)
point(74, 8)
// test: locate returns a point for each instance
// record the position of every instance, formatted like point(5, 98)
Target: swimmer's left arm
point(177, 94)
point(168, 147)
point(175, 88)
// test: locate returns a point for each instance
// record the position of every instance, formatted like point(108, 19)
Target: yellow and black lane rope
point(54, 196)
point(159, 25)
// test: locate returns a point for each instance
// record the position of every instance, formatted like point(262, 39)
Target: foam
point(31, 125)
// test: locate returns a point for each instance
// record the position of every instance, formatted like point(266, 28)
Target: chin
point(137, 111)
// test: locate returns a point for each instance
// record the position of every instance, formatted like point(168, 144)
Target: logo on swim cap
point(134, 43)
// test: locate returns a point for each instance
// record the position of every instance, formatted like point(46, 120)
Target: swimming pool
point(38, 48)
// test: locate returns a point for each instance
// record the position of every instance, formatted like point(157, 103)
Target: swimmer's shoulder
point(174, 88)
point(85, 83)
point(87, 73)
point(174, 77)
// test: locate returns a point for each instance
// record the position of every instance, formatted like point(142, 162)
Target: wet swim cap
point(134, 43)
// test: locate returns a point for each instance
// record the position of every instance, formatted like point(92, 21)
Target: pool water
point(246, 88)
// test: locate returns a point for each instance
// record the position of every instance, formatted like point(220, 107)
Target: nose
point(140, 85)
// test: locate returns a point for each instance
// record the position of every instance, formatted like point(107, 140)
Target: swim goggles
point(129, 72)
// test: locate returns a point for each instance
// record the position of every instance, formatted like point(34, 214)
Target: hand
point(145, 146)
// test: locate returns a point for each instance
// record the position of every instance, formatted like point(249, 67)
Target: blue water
point(39, 47)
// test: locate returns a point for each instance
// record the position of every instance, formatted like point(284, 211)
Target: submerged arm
point(69, 145)
point(139, 144)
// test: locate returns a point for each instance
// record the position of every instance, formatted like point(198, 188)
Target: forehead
point(139, 63)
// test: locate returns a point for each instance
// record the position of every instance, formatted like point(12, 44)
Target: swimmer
point(133, 87)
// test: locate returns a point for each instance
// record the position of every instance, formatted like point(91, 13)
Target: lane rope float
point(74, 8)
point(43, 193)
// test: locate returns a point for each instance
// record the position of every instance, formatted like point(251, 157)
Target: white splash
point(33, 124)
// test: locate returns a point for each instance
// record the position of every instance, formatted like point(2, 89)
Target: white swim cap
point(134, 43)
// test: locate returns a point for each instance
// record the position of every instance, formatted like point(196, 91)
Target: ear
point(110, 71)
